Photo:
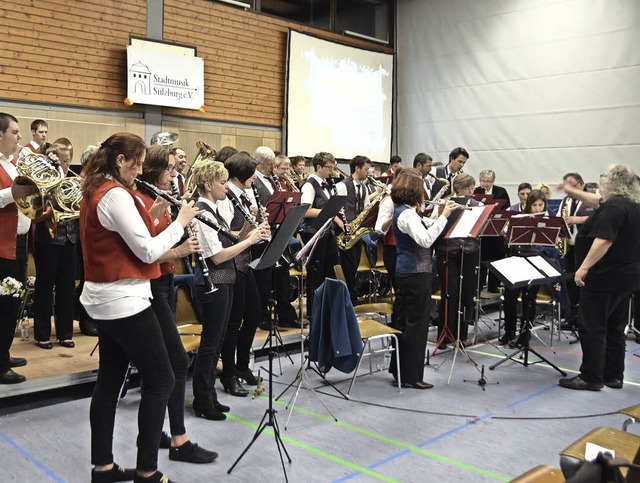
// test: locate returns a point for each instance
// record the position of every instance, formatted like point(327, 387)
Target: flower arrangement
point(11, 287)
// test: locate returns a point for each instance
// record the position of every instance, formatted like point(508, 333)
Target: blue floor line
point(446, 434)
point(31, 459)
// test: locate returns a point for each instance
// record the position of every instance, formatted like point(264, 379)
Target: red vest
point(8, 222)
point(164, 221)
point(107, 258)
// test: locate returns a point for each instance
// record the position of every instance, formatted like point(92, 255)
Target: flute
point(442, 203)
point(209, 286)
point(175, 202)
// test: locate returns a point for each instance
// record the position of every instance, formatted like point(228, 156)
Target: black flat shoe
point(212, 414)
point(192, 453)
point(417, 385)
point(165, 440)
point(117, 473)
point(614, 383)
point(10, 377)
point(248, 377)
point(233, 387)
point(17, 361)
point(44, 344)
point(157, 477)
point(580, 384)
point(69, 344)
point(506, 338)
point(221, 407)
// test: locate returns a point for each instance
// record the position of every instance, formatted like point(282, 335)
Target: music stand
point(330, 211)
point(525, 272)
point(494, 227)
point(279, 205)
point(276, 247)
point(467, 225)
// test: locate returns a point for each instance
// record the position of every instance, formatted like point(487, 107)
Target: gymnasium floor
point(458, 431)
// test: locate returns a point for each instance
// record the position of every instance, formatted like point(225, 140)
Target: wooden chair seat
point(633, 412)
point(190, 342)
point(541, 474)
point(371, 328)
point(190, 329)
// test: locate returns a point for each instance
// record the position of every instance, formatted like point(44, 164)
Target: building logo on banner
point(164, 79)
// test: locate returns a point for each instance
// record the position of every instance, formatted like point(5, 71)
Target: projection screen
point(338, 99)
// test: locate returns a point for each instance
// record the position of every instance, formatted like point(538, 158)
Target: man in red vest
point(13, 224)
point(39, 132)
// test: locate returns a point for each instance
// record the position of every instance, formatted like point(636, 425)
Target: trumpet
point(295, 177)
point(175, 202)
point(443, 202)
point(291, 182)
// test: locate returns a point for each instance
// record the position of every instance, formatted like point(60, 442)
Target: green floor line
point(394, 442)
point(316, 451)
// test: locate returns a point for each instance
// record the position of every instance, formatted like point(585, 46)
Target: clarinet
point(244, 212)
point(175, 202)
point(261, 212)
point(341, 214)
point(209, 286)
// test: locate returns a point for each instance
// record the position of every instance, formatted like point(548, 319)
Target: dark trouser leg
point(250, 319)
point(162, 290)
point(137, 338)
point(510, 306)
point(263, 279)
point(349, 260)
point(603, 316)
point(414, 305)
point(469, 288)
point(389, 256)
point(47, 260)
point(286, 311)
point(22, 258)
point(8, 312)
point(321, 264)
point(230, 341)
point(615, 351)
point(215, 308)
point(65, 291)
point(570, 267)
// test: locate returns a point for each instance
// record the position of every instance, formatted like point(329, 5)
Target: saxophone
point(365, 221)
point(561, 243)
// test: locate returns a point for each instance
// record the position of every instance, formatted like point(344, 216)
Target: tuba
point(37, 170)
point(205, 152)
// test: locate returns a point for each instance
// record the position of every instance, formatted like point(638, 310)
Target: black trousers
point(320, 264)
point(55, 267)
point(214, 309)
point(413, 316)
point(349, 260)
point(570, 267)
point(278, 277)
point(243, 322)
point(511, 306)
point(8, 312)
point(603, 319)
point(492, 248)
point(459, 295)
point(164, 307)
point(137, 339)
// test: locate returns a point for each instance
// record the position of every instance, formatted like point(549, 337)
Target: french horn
point(37, 170)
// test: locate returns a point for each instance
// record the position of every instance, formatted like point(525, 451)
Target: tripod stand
point(272, 253)
point(531, 269)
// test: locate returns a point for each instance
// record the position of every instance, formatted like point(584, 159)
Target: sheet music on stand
point(524, 271)
point(308, 249)
point(470, 222)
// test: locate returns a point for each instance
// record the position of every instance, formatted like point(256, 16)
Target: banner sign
point(164, 78)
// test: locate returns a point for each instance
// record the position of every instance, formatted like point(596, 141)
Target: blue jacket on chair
point(335, 336)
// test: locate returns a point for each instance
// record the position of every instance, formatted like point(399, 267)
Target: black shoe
point(88, 327)
point(212, 414)
point(417, 385)
point(165, 440)
point(233, 386)
point(248, 377)
point(17, 361)
point(192, 453)
point(221, 407)
point(44, 344)
point(157, 477)
point(264, 325)
point(69, 344)
point(614, 383)
point(10, 377)
point(506, 338)
point(580, 384)
point(117, 473)
point(519, 342)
